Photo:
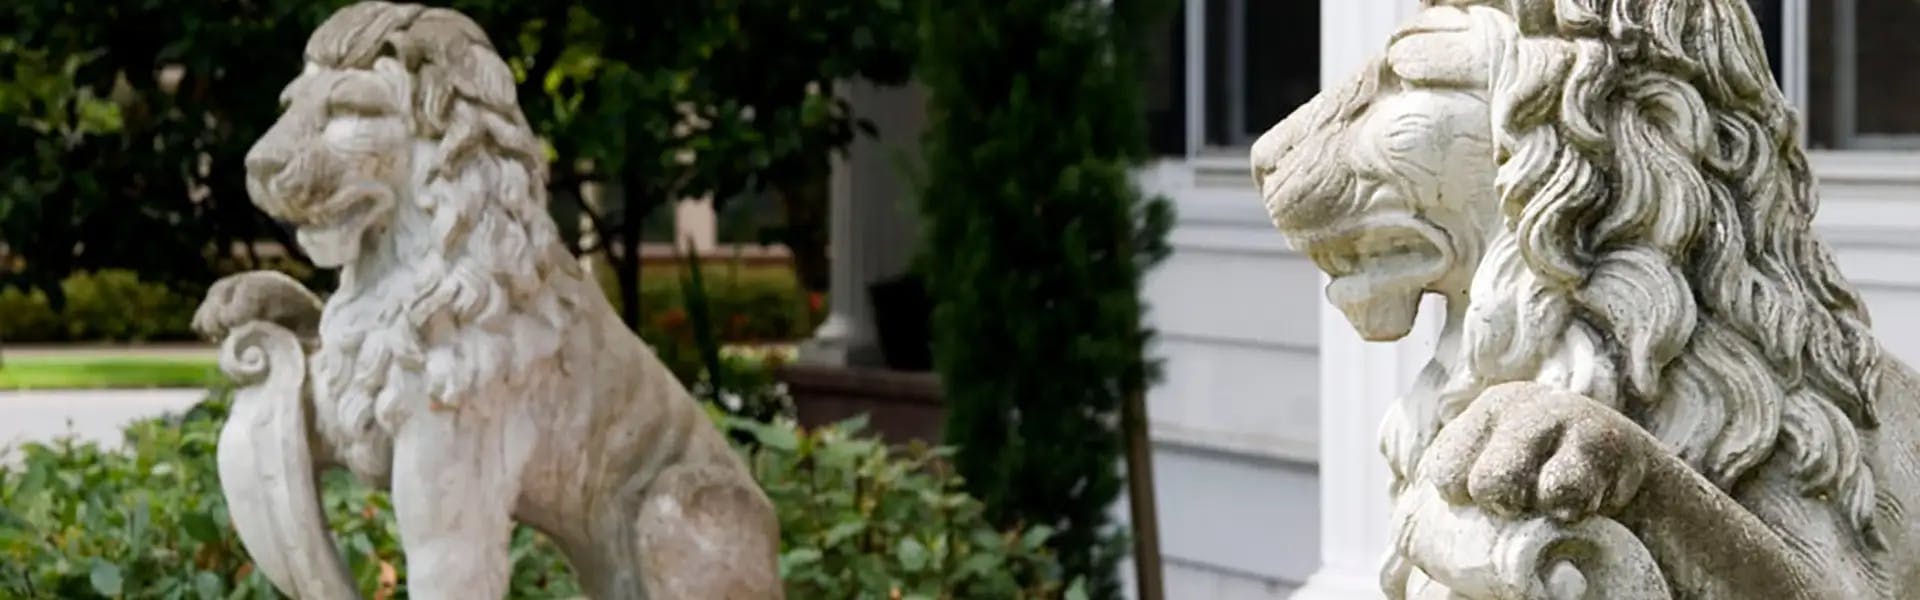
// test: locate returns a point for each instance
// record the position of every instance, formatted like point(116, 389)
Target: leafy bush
point(109, 305)
point(77, 521)
point(26, 316)
point(748, 304)
point(858, 520)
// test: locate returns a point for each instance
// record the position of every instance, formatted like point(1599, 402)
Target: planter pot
point(901, 406)
point(902, 313)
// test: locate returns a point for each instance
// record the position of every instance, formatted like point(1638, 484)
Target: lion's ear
point(480, 75)
point(433, 94)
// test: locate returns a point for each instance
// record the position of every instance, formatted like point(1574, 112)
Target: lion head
point(393, 96)
point(1385, 182)
point(403, 158)
point(1651, 244)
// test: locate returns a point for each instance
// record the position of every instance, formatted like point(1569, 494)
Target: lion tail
point(267, 467)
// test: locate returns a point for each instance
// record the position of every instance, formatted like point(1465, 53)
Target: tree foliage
point(1035, 245)
point(123, 125)
point(124, 122)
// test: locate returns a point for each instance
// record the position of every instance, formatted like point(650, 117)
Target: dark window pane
point(1822, 76)
point(1283, 60)
point(1768, 13)
point(1166, 80)
point(1886, 88)
point(1222, 80)
point(1263, 61)
point(1863, 86)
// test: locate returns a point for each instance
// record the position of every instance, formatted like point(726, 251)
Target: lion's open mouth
point(1380, 267)
point(332, 236)
point(1401, 249)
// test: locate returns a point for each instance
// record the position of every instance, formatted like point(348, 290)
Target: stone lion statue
point(1652, 380)
point(465, 362)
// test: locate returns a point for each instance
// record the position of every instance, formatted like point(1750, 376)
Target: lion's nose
point(263, 165)
point(1266, 156)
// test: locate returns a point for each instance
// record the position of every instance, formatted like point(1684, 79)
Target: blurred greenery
point(130, 118)
point(80, 372)
point(858, 520)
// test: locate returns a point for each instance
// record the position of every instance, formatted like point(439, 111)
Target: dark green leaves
point(1034, 246)
point(862, 520)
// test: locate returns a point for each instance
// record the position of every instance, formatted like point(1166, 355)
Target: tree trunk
point(634, 198)
point(804, 201)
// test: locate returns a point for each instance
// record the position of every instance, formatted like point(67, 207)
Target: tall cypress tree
point(1034, 246)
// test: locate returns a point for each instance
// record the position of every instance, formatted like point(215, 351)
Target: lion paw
point(1527, 449)
point(243, 298)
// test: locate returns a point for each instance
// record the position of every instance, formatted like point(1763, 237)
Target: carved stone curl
point(1652, 380)
point(465, 362)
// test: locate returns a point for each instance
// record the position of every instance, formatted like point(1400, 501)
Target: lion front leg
point(1527, 453)
point(269, 296)
point(456, 477)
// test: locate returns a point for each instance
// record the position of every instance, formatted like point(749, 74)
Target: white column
point(1358, 380)
point(872, 222)
point(695, 221)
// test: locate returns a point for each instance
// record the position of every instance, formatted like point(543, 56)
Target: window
point(1256, 61)
point(1166, 95)
point(1863, 67)
point(1263, 61)
point(1223, 71)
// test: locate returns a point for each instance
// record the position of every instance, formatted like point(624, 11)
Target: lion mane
point(477, 267)
point(1658, 253)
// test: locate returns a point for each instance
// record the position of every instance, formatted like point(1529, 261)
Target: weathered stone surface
point(1652, 381)
point(465, 360)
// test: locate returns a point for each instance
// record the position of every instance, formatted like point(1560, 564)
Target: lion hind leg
point(707, 531)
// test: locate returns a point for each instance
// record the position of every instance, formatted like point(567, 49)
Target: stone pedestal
point(873, 224)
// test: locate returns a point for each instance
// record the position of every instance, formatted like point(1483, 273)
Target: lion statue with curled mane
point(465, 362)
point(1652, 381)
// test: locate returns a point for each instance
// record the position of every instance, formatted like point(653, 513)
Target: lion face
point(1387, 184)
point(339, 156)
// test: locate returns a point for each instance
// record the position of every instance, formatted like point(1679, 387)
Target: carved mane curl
point(462, 288)
point(1658, 254)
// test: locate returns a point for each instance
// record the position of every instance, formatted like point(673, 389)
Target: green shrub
point(862, 521)
point(26, 316)
point(858, 521)
point(748, 304)
point(1033, 249)
point(116, 305)
point(77, 521)
point(110, 305)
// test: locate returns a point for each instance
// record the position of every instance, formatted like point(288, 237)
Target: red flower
point(816, 302)
point(671, 319)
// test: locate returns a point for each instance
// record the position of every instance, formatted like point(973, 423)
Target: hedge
point(859, 520)
point(750, 305)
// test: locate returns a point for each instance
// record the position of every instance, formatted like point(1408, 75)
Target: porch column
point(873, 226)
point(1358, 380)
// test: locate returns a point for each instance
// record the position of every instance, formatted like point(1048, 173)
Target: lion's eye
point(360, 97)
point(361, 109)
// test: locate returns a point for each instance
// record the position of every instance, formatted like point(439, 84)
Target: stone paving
point(94, 415)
